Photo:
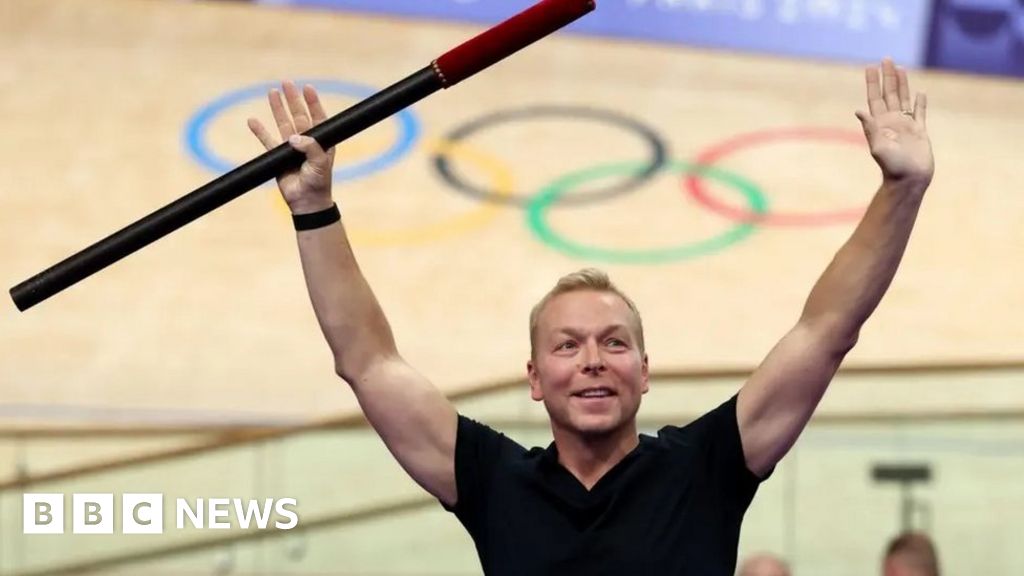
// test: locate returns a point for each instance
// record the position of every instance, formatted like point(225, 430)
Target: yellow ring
point(359, 150)
point(501, 181)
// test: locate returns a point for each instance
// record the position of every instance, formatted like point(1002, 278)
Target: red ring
point(694, 185)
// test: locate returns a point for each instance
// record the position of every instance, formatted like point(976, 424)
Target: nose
point(593, 363)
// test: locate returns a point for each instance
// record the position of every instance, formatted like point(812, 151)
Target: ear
point(645, 372)
point(534, 376)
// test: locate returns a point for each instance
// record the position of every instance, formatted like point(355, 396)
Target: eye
point(615, 342)
point(567, 345)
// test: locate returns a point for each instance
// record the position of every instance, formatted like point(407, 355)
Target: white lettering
point(216, 511)
point(262, 514)
point(195, 517)
point(291, 514)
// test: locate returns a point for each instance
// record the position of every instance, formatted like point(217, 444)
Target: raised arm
point(415, 420)
point(778, 400)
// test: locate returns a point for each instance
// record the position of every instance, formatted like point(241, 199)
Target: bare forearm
point(776, 403)
point(349, 315)
point(853, 284)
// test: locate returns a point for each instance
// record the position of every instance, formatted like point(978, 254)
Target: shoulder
point(485, 442)
point(721, 419)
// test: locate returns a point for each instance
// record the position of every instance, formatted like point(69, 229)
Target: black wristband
point(315, 220)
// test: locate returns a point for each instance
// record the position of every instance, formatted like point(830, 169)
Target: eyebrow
point(603, 332)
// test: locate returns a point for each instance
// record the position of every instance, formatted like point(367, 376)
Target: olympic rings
point(500, 190)
point(197, 125)
point(710, 156)
point(649, 136)
point(550, 194)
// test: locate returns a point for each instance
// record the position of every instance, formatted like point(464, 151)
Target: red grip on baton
point(508, 37)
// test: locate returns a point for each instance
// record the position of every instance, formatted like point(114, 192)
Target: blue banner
point(850, 30)
point(979, 35)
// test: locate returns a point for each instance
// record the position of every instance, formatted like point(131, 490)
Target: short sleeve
point(727, 458)
point(480, 453)
point(716, 436)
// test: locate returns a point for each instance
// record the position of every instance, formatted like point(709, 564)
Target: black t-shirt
point(672, 507)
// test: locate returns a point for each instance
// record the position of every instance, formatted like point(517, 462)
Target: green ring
point(550, 194)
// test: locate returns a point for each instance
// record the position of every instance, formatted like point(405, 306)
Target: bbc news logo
point(144, 513)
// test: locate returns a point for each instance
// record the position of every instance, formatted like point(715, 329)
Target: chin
point(595, 426)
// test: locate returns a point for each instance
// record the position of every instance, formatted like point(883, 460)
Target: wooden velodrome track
point(97, 98)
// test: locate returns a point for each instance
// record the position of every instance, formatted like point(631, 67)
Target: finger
point(875, 102)
point(297, 107)
point(264, 136)
point(921, 109)
point(281, 117)
point(315, 155)
point(904, 89)
point(316, 108)
point(890, 88)
point(313, 101)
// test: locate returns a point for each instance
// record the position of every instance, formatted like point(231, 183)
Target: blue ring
point(195, 129)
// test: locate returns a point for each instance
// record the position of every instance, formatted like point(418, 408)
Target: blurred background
point(195, 369)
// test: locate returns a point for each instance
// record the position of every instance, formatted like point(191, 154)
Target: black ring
point(658, 148)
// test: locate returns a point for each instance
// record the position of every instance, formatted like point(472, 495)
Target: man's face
point(587, 368)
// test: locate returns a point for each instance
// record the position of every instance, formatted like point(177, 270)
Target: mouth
point(594, 393)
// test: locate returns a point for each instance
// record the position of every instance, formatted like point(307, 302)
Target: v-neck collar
point(570, 488)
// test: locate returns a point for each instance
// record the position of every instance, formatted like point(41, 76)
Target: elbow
point(344, 366)
point(349, 369)
point(356, 337)
point(842, 337)
point(353, 365)
point(838, 334)
point(341, 371)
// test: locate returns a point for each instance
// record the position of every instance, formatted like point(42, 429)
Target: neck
point(589, 458)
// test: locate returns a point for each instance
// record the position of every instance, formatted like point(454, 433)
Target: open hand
point(896, 132)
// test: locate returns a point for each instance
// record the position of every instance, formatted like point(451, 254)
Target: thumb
point(307, 145)
point(866, 121)
point(315, 155)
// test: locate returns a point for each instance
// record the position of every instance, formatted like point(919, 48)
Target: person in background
point(764, 564)
point(910, 554)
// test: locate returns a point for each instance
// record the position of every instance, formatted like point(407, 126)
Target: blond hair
point(585, 279)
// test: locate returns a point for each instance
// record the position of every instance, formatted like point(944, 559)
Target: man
point(910, 554)
point(763, 565)
point(600, 499)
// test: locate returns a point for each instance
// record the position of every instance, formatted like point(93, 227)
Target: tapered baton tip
point(507, 38)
